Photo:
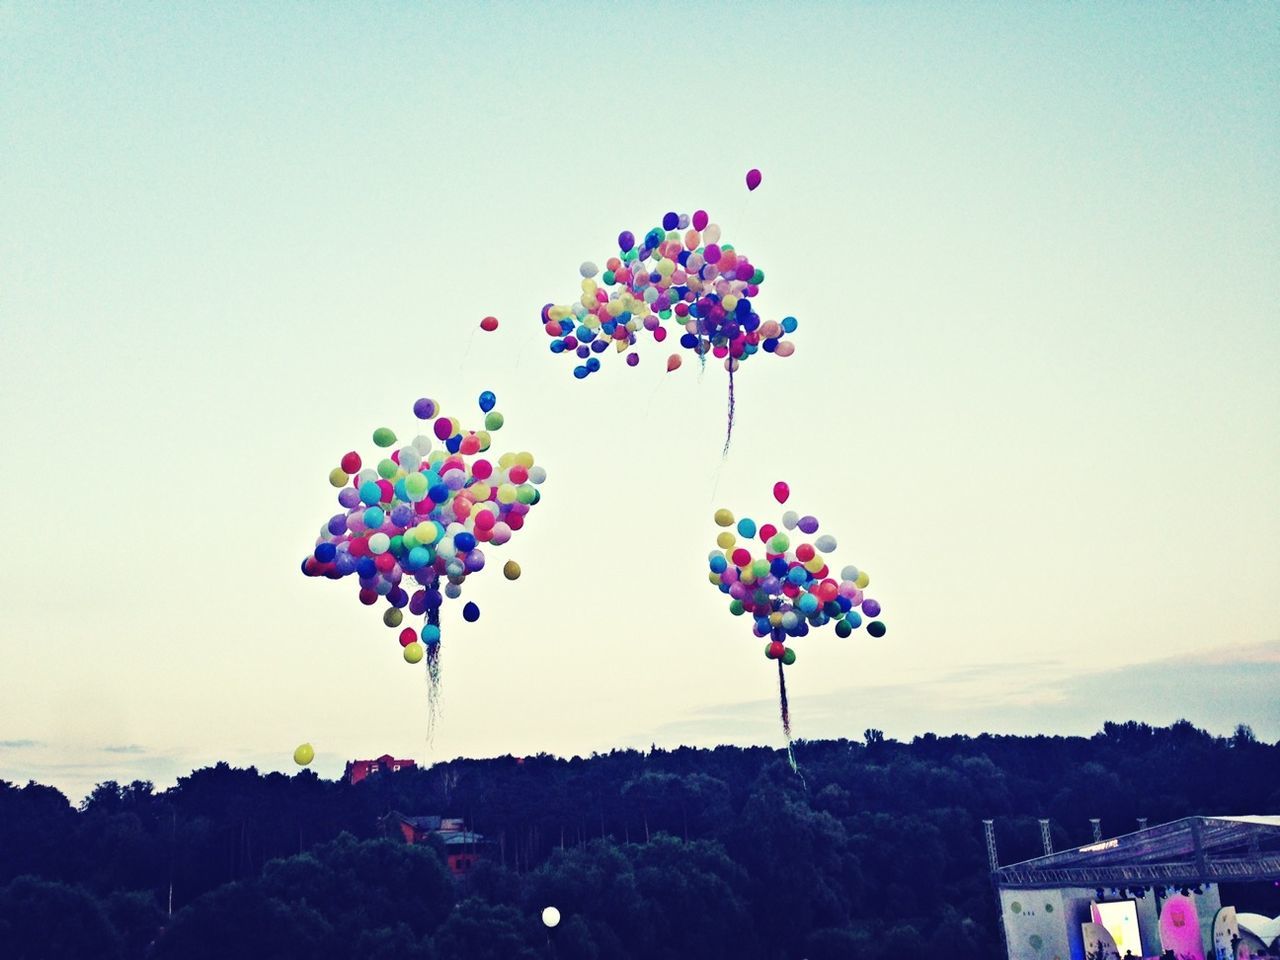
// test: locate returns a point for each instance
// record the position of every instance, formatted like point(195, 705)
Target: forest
point(872, 848)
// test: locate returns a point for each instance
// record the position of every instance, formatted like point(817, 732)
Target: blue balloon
point(718, 563)
point(454, 443)
point(789, 324)
point(438, 493)
point(671, 220)
point(470, 613)
point(366, 568)
point(325, 552)
point(593, 364)
point(557, 346)
point(580, 372)
point(464, 542)
point(373, 517)
point(747, 528)
point(419, 556)
point(778, 568)
point(370, 493)
point(430, 634)
point(488, 401)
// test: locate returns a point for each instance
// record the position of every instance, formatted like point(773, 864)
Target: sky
point(1032, 250)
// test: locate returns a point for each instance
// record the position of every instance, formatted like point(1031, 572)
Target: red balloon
point(489, 324)
point(482, 469)
point(407, 636)
point(776, 650)
point(767, 532)
point(781, 491)
point(804, 553)
point(351, 462)
point(741, 557)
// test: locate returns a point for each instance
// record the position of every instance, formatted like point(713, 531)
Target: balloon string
point(782, 704)
point(728, 432)
point(433, 667)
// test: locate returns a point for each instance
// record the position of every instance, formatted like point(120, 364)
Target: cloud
point(1215, 689)
point(19, 744)
point(130, 748)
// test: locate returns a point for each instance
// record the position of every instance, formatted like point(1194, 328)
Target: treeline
point(873, 849)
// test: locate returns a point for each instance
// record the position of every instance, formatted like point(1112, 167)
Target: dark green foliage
point(877, 853)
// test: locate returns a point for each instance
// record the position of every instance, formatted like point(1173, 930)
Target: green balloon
point(387, 469)
point(788, 657)
point(493, 420)
point(779, 543)
point(393, 617)
point(384, 436)
point(415, 484)
point(736, 608)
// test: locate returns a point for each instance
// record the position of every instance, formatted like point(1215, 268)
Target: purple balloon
point(424, 409)
point(753, 178)
point(338, 524)
point(348, 497)
point(401, 515)
point(626, 240)
point(632, 360)
point(418, 603)
point(871, 608)
point(808, 524)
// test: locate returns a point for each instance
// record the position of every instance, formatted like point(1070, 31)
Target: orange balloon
point(673, 362)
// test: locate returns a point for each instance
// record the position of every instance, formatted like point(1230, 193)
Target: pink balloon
point(781, 492)
point(753, 178)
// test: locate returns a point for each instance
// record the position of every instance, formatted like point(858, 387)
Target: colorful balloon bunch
point(419, 517)
point(678, 269)
point(786, 587)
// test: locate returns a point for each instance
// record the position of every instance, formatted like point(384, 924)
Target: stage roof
point(1181, 853)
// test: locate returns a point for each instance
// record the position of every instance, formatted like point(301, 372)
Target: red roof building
point(358, 770)
point(462, 847)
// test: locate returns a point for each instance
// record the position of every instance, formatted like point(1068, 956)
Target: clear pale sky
point(1033, 253)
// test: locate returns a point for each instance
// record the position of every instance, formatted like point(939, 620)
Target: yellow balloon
point(506, 460)
point(506, 493)
point(862, 581)
point(511, 570)
point(525, 459)
point(713, 577)
point(426, 533)
point(338, 477)
point(413, 652)
point(304, 754)
point(815, 563)
point(775, 619)
point(726, 540)
point(724, 518)
point(748, 576)
point(621, 345)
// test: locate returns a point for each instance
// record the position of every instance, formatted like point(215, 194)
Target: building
point(462, 846)
point(1175, 886)
point(358, 770)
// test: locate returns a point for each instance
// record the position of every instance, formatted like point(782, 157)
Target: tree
point(240, 920)
point(480, 931)
point(42, 920)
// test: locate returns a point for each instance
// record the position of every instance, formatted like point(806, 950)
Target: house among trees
point(462, 847)
point(358, 770)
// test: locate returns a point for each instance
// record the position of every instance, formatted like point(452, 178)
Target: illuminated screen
point(1121, 920)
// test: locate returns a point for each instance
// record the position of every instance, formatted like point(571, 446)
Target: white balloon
point(537, 474)
point(588, 269)
point(849, 573)
point(422, 444)
point(550, 917)
point(410, 459)
point(825, 543)
point(790, 519)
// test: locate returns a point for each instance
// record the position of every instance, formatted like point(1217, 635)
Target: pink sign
point(1180, 928)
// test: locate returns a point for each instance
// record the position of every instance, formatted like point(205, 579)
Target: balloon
point(789, 591)
point(753, 179)
point(304, 754)
point(550, 917)
point(489, 324)
point(705, 289)
point(417, 522)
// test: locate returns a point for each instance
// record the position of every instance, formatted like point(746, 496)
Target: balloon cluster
point(677, 269)
point(786, 587)
point(420, 517)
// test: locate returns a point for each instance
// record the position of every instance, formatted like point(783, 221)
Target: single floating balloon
point(304, 754)
point(511, 570)
point(781, 493)
point(489, 324)
point(753, 179)
point(673, 362)
point(550, 917)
